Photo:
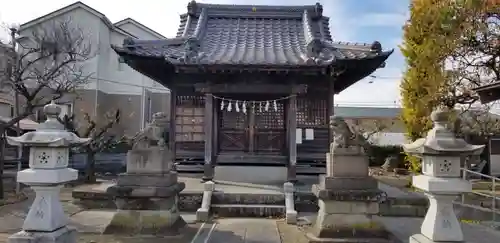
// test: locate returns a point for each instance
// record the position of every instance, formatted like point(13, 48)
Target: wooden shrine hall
point(252, 85)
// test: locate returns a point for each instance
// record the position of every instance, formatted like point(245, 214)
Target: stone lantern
point(48, 162)
point(441, 153)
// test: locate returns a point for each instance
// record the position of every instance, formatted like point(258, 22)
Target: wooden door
point(233, 131)
point(256, 131)
point(270, 130)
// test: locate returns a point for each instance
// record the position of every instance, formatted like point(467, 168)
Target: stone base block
point(419, 238)
point(367, 195)
point(162, 204)
point(62, 235)
point(139, 191)
point(348, 165)
point(348, 221)
point(149, 160)
point(145, 222)
point(348, 183)
point(346, 207)
point(147, 180)
point(313, 239)
point(348, 226)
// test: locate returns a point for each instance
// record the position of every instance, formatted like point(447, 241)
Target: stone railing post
point(48, 162)
point(441, 153)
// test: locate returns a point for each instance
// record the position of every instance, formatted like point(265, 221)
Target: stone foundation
point(147, 203)
point(148, 222)
point(347, 215)
point(347, 183)
point(62, 235)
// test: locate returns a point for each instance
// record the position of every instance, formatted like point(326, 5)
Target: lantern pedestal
point(441, 153)
point(440, 223)
point(49, 150)
point(62, 235)
point(45, 221)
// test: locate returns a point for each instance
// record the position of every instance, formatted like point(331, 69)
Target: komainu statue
point(344, 136)
point(154, 134)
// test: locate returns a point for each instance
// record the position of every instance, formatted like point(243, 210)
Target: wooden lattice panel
point(233, 120)
point(270, 119)
point(270, 129)
point(189, 120)
point(190, 101)
point(312, 112)
point(233, 128)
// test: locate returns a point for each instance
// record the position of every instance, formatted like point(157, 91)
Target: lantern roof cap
point(440, 140)
point(50, 133)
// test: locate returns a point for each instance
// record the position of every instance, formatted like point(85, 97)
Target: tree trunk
point(90, 168)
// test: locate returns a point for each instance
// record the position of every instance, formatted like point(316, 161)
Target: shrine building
point(252, 85)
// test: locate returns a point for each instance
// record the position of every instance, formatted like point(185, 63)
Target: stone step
point(247, 198)
point(248, 210)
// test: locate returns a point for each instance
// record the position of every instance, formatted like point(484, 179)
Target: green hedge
point(378, 154)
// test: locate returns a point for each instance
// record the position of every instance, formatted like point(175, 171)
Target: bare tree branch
point(101, 137)
point(49, 65)
point(473, 60)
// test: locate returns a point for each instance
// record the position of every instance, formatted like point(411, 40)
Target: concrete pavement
point(232, 230)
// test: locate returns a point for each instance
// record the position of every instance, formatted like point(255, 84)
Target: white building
point(113, 85)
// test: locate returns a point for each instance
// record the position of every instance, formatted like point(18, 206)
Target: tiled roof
point(252, 35)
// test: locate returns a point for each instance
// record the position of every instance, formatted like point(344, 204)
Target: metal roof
point(392, 112)
point(367, 112)
point(253, 35)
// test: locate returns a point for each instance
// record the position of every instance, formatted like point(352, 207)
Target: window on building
point(121, 62)
point(49, 49)
point(12, 111)
point(66, 109)
point(150, 109)
point(40, 116)
point(4, 109)
point(148, 114)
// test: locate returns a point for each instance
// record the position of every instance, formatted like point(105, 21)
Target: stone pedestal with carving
point(348, 197)
point(147, 194)
point(441, 153)
point(49, 154)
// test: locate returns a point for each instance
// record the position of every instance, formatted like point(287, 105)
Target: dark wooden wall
point(269, 132)
point(189, 120)
point(312, 113)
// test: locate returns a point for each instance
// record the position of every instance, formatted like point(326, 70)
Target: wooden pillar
point(215, 131)
point(292, 140)
point(173, 122)
point(331, 111)
point(208, 169)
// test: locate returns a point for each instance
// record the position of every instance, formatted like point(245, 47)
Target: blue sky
point(350, 20)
